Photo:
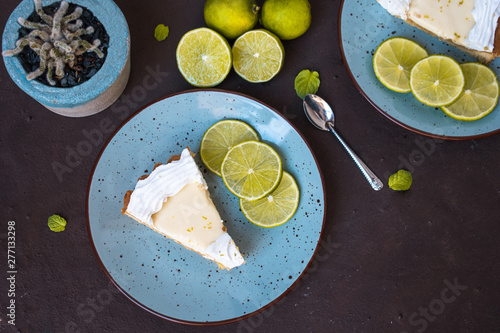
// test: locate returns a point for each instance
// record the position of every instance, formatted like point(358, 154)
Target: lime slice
point(480, 95)
point(220, 138)
point(204, 57)
point(275, 208)
point(258, 55)
point(251, 170)
point(437, 80)
point(393, 61)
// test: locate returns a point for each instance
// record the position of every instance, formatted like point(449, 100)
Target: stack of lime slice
point(220, 138)
point(467, 92)
point(480, 94)
point(251, 170)
point(393, 61)
point(437, 80)
point(277, 207)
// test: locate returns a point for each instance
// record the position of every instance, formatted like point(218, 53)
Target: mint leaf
point(57, 223)
point(161, 32)
point(400, 181)
point(307, 82)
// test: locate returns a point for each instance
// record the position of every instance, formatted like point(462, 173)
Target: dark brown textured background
point(387, 258)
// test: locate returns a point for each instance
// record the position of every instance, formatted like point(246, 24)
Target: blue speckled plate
point(363, 25)
point(164, 277)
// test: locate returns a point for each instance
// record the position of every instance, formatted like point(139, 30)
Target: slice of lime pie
point(174, 201)
point(470, 25)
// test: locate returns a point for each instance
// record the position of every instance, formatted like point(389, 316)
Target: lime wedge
point(251, 170)
point(258, 55)
point(437, 80)
point(480, 95)
point(277, 207)
point(220, 138)
point(204, 57)
point(393, 61)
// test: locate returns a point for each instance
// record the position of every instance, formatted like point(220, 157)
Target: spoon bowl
point(321, 115)
point(318, 111)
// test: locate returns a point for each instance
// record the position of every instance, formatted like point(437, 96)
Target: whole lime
point(231, 18)
point(288, 19)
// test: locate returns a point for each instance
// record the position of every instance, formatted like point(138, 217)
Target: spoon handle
point(369, 175)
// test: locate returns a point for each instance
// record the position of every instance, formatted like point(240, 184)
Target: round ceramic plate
point(363, 25)
point(162, 276)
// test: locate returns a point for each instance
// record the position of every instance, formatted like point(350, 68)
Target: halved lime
point(480, 95)
point(258, 55)
point(251, 170)
point(220, 138)
point(277, 207)
point(204, 57)
point(393, 61)
point(437, 80)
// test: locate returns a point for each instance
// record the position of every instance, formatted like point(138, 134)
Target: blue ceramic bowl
point(97, 93)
